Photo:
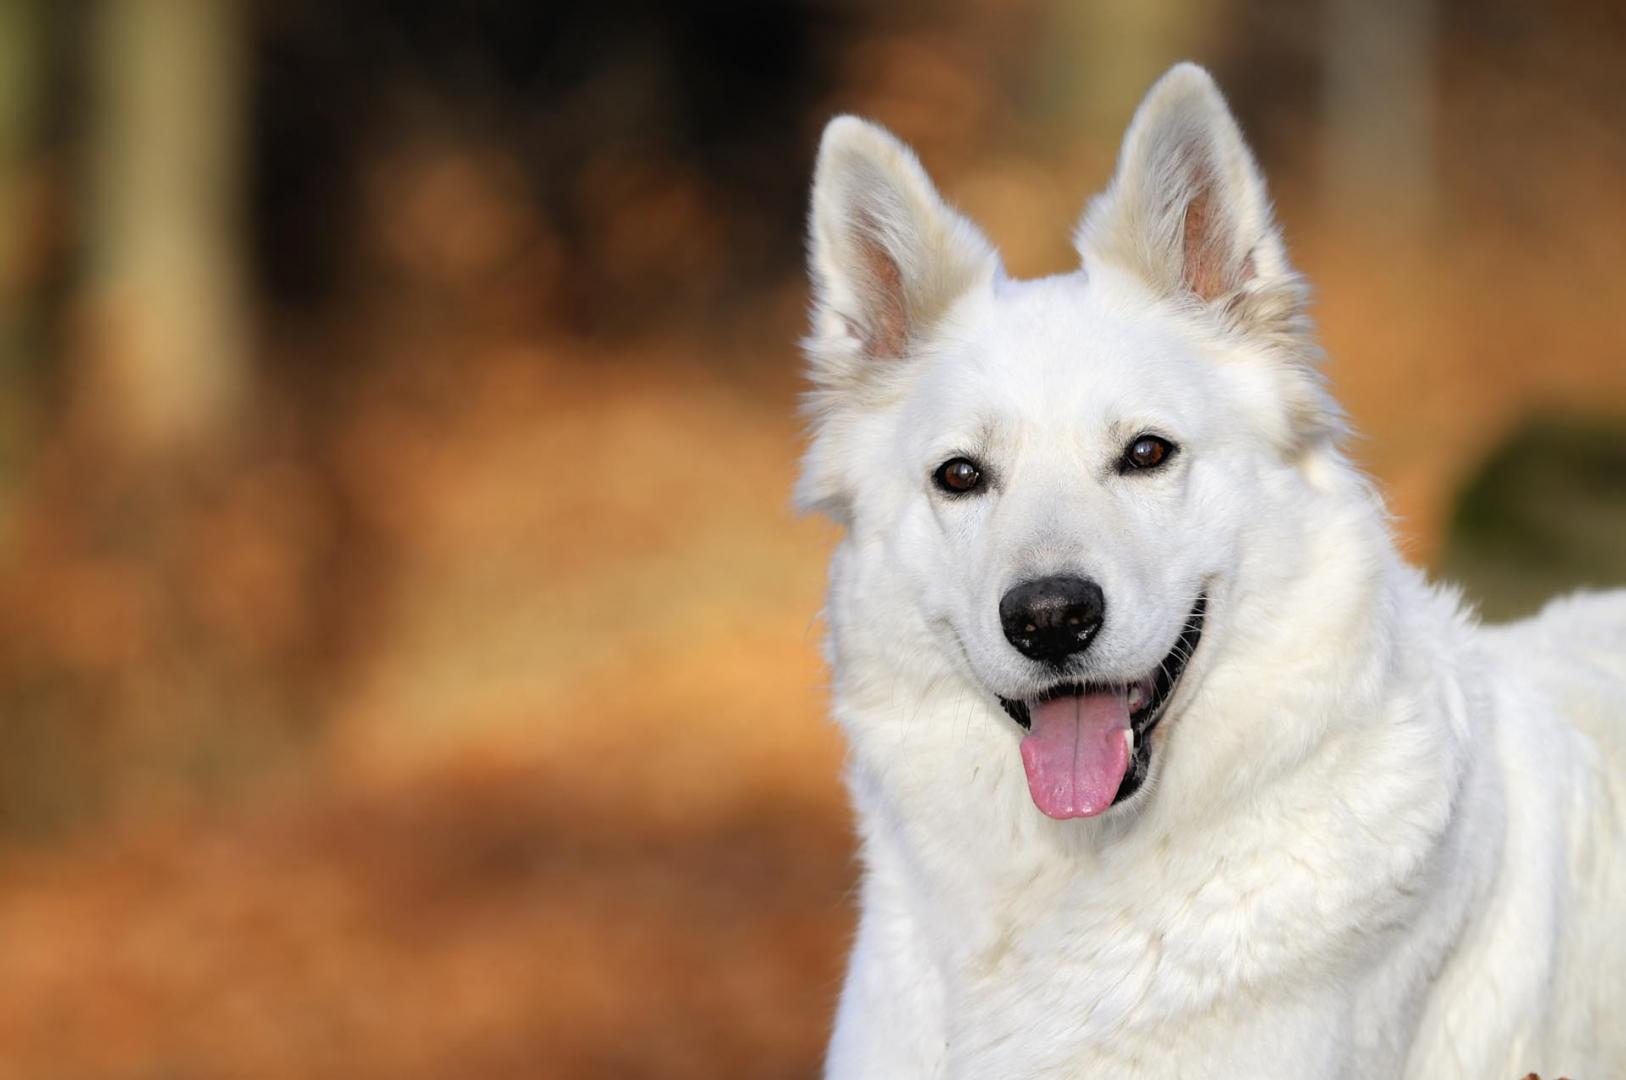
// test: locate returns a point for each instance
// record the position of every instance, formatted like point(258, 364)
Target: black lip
point(1144, 720)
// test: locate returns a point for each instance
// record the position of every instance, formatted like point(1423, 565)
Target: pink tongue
point(1075, 754)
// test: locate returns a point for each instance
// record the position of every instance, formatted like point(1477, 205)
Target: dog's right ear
point(887, 256)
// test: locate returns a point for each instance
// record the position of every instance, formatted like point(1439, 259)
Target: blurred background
point(408, 658)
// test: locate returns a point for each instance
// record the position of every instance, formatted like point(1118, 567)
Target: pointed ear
point(1187, 212)
point(887, 256)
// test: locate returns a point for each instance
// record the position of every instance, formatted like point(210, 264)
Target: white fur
point(1377, 840)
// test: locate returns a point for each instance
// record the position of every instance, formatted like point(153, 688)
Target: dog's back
point(1561, 690)
point(1574, 651)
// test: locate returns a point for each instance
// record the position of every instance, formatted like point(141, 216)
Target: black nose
point(1051, 618)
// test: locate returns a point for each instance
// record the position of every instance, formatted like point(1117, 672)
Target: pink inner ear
point(888, 325)
point(1204, 266)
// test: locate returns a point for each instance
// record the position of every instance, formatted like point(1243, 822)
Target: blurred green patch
point(1545, 514)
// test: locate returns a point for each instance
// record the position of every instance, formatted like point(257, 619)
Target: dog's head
point(1056, 474)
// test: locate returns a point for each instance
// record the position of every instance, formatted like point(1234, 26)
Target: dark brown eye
point(1146, 452)
point(957, 476)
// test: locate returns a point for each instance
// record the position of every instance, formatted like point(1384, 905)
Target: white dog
point(1165, 763)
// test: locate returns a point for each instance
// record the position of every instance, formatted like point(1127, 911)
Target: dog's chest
point(1092, 974)
point(1108, 994)
point(1064, 955)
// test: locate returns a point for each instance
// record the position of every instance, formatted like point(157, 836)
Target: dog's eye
point(1146, 452)
point(958, 476)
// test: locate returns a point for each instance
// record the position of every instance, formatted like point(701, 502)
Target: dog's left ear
point(1188, 214)
point(1187, 211)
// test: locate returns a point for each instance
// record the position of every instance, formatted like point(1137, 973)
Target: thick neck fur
point(1144, 902)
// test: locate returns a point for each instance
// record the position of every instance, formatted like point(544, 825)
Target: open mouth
point(1088, 745)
